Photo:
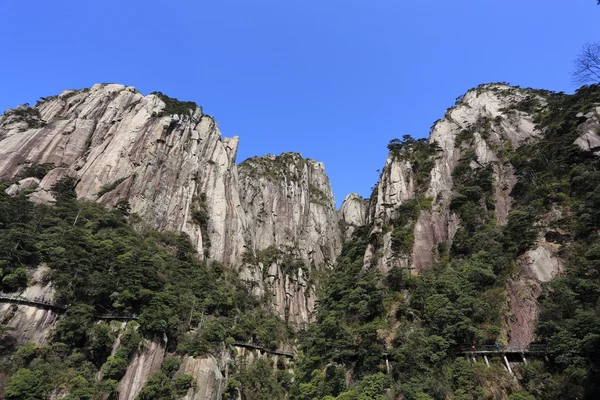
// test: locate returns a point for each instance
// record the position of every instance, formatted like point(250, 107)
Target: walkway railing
point(487, 349)
point(42, 303)
point(112, 317)
point(264, 349)
point(29, 302)
point(493, 350)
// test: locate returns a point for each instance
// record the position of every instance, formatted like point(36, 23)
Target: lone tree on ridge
point(587, 65)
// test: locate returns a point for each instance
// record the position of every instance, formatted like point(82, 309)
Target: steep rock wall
point(208, 379)
point(353, 214)
point(178, 174)
point(291, 295)
point(589, 139)
point(486, 120)
point(290, 205)
point(293, 229)
point(114, 142)
point(143, 365)
point(538, 265)
point(31, 324)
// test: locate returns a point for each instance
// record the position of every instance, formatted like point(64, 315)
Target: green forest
point(375, 336)
point(100, 265)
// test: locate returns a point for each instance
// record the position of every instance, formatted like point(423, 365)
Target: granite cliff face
point(178, 174)
point(31, 324)
point(488, 121)
point(292, 229)
point(289, 204)
point(353, 214)
point(278, 220)
point(114, 142)
point(209, 381)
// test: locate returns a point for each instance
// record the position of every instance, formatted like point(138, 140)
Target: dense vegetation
point(275, 168)
point(362, 323)
point(99, 264)
point(417, 323)
point(175, 106)
point(554, 174)
point(31, 116)
point(421, 155)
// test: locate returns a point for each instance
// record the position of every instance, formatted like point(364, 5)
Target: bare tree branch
point(587, 65)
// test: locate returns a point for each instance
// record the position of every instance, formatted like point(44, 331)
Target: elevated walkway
point(263, 349)
point(110, 317)
point(492, 349)
point(517, 354)
point(34, 303)
point(59, 307)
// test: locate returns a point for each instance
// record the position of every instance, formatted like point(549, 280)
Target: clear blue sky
point(332, 79)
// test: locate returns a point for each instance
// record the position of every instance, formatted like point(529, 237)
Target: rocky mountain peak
point(290, 204)
point(418, 178)
point(353, 213)
point(165, 157)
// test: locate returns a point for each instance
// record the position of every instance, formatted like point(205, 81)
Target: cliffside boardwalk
point(59, 307)
point(263, 349)
point(34, 303)
point(514, 352)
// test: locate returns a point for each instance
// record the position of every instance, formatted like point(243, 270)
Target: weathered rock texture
point(22, 185)
point(290, 205)
point(209, 380)
point(291, 295)
point(590, 133)
point(178, 174)
point(273, 216)
point(30, 323)
point(292, 229)
point(538, 265)
point(143, 365)
point(353, 214)
point(111, 141)
point(489, 113)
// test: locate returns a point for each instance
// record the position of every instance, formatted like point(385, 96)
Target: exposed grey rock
point(112, 142)
point(30, 323)
point(589, 139)
point(289, 208)
point(110, 133)
point(353, 213)
point(22, 185)
point(395, 186)
point(489, 106)
point(538, 265)
point(43, 194)
point(289, 204)
point(431, 228)
point(208, 378)
point(143, 365)
point(293, 298)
